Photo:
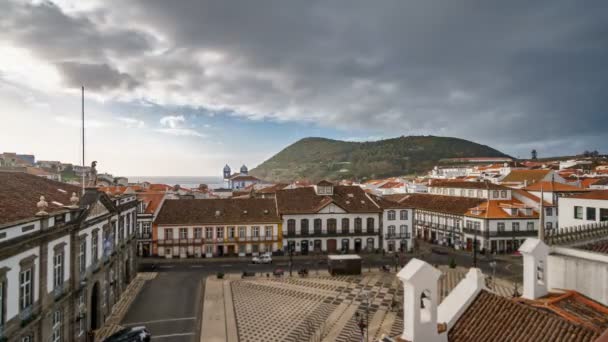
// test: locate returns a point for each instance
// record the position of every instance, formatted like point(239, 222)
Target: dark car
point(133, 334)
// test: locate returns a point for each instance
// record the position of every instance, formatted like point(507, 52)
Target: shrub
point(220, 275)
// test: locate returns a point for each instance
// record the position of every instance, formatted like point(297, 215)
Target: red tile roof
point(443, 204)
point(594, 195)
point(495, 209)
point(530, 176)
point(305, 201)
point(217, 211)
point(468, 185)
point(598, 247)
point(553, 187)
point(151, 201)
point(20, 193)
point(494, 318)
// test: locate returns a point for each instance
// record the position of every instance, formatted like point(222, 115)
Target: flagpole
point(83, 161)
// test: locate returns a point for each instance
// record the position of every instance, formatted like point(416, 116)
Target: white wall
point(566, 211)
point(12, 280)
point(397, 223)
point(583, 271)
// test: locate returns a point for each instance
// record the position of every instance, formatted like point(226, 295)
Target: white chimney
point(420, 297)
point(535, 254)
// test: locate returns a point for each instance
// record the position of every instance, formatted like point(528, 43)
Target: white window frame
point(56, 326)
point(25, 288)
point(58, 264)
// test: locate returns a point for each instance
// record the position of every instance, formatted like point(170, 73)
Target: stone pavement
point(313, 308)
point(119, 310)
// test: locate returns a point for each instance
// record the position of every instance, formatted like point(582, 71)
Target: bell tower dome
point(226, 171)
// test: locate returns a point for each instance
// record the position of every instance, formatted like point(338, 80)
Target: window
point(479, 193)
point(331, 226)
point(477, 226)
point(94, 248)
point(145, 227)
point(317, 226)
point(183, 233)
point(591, 214)
point(403, 215)
point(291, 227)
point(82, 256)
point(242, 249)
point(471, 193)
point(304, 227)
point(503, 194)
point(515, 226)
point(603, 214)
point(208, 232)
point(198, 233)
point(549, 211)
point(501, 227)
point(370, 225)
point(58, 270)
point(578, 212)
point(495, 193)
point(462, 192)
point(27, 338)
point(345, 225)
point(219, 232)
point(56, 327)
point(209, 249)
point(358, 225)
point(231, 232)
point(242, 231)
point(549, 225)
point(391, 215)
point(25, 289)
point(168, 233)
point(256, 231)
point(391, 231)
point(268, 231)
point(530, 226)
point(452, 192)
point(403, 229)
point(82, 324)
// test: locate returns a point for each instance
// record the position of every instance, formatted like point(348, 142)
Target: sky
point(183, 87)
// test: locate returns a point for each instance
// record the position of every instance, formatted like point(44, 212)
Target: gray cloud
point(96, 77)
point(513, 74)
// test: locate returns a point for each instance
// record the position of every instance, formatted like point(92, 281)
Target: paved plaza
point(314, 308)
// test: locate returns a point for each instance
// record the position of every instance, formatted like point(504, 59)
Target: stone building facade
point(65, 258)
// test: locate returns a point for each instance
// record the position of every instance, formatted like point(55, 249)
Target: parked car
point(132, 334)
point(262, 259)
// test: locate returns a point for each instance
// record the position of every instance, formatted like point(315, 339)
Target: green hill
point(320, 158)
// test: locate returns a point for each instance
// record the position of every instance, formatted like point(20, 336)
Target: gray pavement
point(169, 306)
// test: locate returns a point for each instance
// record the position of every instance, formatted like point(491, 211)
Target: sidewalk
point(219, 322)
point(282, 258)
point(111, 325)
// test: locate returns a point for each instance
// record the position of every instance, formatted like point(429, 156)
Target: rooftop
point(530, 176)
point(445, 204)
point(594, 195)
point(553, 187)
point(305, 200)
point(221, 211)
point(468, 185)
point(20, 193)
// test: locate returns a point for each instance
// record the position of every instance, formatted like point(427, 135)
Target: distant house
point(239, 180)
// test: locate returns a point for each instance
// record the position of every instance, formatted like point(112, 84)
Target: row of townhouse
point(323, 217)
point(497, 217)
point(65, 258)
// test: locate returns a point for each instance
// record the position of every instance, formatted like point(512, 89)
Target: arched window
point(358, 225)
point(331, 226)
point(403, 215)
point(304, 227)
point(318, 225)
point(291, 227)
point(345, 225)
point(370, 225)
point(391, 215)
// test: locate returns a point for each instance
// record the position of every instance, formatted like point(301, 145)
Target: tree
point(534, 154)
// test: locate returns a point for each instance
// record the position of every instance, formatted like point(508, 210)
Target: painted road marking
point(172, 335)
point(167, 266)
point(159, 321)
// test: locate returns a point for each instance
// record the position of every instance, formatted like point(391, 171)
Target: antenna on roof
point(83, 162)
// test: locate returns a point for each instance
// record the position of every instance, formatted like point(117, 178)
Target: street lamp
point(493, 265)
point(291, 248)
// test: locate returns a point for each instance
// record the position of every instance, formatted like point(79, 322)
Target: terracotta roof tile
point(553, 187)
point(20, 192)
point(597, 246)
point(468, 185)
point(304, 200)
point(594, 195)
point(494, 318)
point(530, 176)
point(495, 209)
point(217, 211)
point(445, 204)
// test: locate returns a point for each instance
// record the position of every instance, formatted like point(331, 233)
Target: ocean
point(186, 182)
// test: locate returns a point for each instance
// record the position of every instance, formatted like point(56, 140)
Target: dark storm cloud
point(506, 73)
point(96, 77)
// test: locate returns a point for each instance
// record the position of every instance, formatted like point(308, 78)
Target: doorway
point(357, 245)
point(220, 250)
point(304, 247)
point(231, 250)
point(94, 324)
point(127, 272)
point(331, 245)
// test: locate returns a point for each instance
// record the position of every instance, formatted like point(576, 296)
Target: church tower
point(244, 170)
point(226, 171)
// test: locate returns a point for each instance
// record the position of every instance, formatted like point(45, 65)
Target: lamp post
point(493, 265)
point(291, 248)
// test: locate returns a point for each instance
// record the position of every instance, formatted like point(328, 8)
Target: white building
point(583, 209)
point(329, 218)
point(397, 225)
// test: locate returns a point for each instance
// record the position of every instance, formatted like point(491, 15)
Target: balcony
point(397, 236)
point(59, 291)
point(325, 233)
point(26, 314)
